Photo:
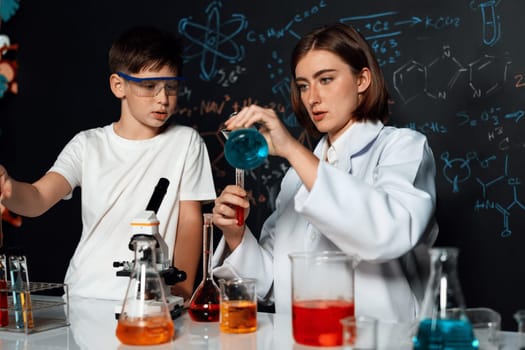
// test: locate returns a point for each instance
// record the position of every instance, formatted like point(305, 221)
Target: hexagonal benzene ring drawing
point(443, 73)
point(487, 75)
point(410, 80)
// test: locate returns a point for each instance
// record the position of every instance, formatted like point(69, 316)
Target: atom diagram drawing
point(213, 41)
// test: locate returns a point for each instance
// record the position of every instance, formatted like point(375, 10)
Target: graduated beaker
point(145, 318)
point(322, 295)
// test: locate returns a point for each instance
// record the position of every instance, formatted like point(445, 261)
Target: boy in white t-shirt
point(118, 166)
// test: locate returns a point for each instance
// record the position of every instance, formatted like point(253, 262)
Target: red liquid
point(239, 211)
point(205, 313)
point(4, 316)
point(316, 322)
point(146, 331)
point(205, 303)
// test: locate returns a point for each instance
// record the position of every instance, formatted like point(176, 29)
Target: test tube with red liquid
point(239, 181)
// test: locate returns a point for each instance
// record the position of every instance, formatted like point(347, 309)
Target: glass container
point(245, 148)
point(322, 295)
point(205, 302)
point(444, 323)
point(145, 318)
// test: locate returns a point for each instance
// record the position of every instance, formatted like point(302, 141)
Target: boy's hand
point(5, 184)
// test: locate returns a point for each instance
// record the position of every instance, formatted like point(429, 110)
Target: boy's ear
point(117, 85)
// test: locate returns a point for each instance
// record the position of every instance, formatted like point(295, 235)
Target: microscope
point(146, 223)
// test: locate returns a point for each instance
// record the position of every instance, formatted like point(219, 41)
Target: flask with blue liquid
point(444, 325)
point(245, 148)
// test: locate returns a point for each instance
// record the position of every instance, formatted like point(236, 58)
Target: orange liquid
point(317, 322)
point(239, 316)
point(145, 331)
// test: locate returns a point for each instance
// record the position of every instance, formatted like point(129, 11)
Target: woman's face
point(329, 90)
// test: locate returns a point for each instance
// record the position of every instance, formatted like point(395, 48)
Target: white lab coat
point(376, 201)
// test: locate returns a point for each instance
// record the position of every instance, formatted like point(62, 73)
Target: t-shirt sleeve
point(69, 163)
point(197, 179)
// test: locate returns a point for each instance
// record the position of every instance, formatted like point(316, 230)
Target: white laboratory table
point(92, 326)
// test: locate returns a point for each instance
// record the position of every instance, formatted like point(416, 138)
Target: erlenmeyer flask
point(444, 323)
point(205, 302)
point(145, 318)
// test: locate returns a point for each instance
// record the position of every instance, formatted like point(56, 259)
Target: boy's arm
point(32, 199)
point(188, 246)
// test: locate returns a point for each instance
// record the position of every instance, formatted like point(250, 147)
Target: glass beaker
point(444, 323)
point(205, 302)
point(145, 318)
point(238, 305)
point(322, 295)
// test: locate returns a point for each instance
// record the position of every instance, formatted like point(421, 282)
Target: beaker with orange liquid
point(238, 305)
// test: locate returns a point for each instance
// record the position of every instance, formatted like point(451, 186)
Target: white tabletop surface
point(93, 324)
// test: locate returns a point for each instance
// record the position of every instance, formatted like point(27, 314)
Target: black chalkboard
point(455, 70)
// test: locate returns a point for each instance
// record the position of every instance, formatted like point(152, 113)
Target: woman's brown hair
point(351, 47)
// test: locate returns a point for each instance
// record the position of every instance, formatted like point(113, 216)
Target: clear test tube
point(239, 181)
point(21, 292)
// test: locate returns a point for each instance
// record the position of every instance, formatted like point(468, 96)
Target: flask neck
point(443, 296)
point(207, 246)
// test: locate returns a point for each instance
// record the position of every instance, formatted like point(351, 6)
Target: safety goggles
point(150, 87)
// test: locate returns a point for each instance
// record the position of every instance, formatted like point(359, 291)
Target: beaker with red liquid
point(205, 301)
point(322, 295)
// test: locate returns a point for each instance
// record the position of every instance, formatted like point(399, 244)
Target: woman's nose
point(313, 97)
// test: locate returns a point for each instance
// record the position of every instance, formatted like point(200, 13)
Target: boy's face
point(146, 97)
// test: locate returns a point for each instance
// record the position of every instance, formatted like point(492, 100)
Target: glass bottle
point(145, 318)
point(444, 323)
point(205, 302)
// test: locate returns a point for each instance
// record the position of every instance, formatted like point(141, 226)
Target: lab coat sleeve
point(248, 260)
point(381, 215)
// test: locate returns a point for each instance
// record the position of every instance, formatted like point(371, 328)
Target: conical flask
point(145, 318)
point(444, 325)
point(205, 302)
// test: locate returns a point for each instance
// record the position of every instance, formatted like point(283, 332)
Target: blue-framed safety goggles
point(151, 86)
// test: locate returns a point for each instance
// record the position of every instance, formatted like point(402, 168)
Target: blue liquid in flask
point(445, 334)
point(246, 148)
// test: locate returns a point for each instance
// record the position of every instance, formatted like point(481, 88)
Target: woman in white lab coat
point(366, 189)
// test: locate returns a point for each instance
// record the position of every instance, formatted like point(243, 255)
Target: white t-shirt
point(118, 177)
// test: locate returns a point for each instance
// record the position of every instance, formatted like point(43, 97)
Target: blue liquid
point(445, 335)
point(245, 148)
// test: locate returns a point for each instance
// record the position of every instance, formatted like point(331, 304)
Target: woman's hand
point(224, 214)
point(280, 141)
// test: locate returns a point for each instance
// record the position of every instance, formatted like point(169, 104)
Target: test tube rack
point(38, 312)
